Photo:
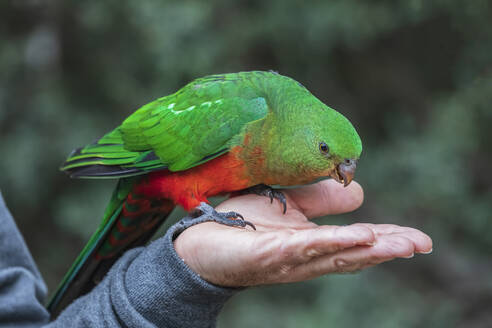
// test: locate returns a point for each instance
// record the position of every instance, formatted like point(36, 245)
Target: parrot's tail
point(130, 221)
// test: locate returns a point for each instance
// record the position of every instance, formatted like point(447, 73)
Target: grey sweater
point(148, 287)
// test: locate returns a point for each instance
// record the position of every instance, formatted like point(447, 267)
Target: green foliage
point(413, 76)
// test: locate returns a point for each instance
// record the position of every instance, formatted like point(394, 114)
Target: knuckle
point(288, 244)
point(312, 252)
point(403, 244)
point(284, 269)
point(341, 265)
point(286, 253)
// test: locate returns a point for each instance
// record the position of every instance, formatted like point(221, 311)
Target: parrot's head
point(323, 144)
point(338, 144)
point(303, 139)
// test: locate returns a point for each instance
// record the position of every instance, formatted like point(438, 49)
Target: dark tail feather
point(134, 223)
point(102, 171)
point(108, 157)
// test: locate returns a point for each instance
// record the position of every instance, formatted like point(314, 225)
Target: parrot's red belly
point(189, 188)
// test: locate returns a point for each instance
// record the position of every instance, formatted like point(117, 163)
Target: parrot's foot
point(206, 213)
point(264, 190)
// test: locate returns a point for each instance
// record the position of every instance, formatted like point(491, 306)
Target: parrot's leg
point(264, 190)
point(206, 213)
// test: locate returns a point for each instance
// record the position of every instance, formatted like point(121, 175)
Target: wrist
point(159, 281)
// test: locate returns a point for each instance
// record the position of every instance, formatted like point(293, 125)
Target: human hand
point(288, 247)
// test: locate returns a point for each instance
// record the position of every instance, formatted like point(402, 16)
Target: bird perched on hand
point(219, 134)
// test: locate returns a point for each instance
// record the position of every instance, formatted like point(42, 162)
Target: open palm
point(289, 247)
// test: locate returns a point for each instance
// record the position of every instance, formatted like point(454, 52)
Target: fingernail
point(409, 257)
point(428, 252)
point(370, 243)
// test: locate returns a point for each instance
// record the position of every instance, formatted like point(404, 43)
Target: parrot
point(254, 131)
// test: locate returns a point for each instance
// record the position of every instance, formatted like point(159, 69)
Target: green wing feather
point(177, 132)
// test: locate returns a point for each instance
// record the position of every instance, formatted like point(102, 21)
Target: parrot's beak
point(345, 171)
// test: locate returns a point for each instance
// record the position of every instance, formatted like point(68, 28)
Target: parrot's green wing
point(108, 157)
point(179, 131)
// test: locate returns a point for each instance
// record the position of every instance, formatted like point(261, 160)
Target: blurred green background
point(413, 76)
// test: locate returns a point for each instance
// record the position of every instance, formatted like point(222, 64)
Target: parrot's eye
point(323, 148)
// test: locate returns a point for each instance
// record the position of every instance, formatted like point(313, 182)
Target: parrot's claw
point(206, 213)
point(264, 190)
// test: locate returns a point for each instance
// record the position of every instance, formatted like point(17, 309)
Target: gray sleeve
point(148, 287)
point(22, 290)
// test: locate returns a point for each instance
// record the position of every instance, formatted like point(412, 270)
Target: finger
point(387, 247)
point(292, 247)
point(422, 242)
point(326, 197)
point(303, 245)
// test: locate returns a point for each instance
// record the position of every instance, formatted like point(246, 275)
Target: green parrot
point(216, 135)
